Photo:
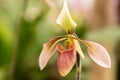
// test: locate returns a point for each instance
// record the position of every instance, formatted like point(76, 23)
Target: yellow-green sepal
point(78, 48)
point(64, 20)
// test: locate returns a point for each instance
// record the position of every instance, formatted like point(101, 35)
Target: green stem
point(15, 48)
point(78, 64)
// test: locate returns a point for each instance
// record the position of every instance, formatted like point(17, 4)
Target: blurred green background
point(25, 25)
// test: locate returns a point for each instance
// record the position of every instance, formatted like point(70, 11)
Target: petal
point(48, 50)
point(64, 19)
point(98, 54)
point(78, 48)
point(66, 59)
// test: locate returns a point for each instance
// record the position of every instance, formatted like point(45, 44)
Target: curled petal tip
point(109, 66)
point(41, 68)
point(64, 19)
point(41, 63)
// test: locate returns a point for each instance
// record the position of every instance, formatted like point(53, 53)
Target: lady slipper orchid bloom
point(67, 54)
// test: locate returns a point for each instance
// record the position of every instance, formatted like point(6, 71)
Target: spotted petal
point(48, 50)
point(64, 19)
point(66, 59)
point(98, 54)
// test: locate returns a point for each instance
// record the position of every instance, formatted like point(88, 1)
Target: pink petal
point(98, 54)
point(48, 50)
point(66, 59)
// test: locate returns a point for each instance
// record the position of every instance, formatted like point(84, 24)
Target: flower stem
point(15, 48)
point(78, 64)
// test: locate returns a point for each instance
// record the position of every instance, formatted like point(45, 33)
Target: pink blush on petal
point(66, 59)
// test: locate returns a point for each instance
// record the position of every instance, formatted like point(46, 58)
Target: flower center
point(69, 42)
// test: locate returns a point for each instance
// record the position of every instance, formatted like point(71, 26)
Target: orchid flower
point(68, 52)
